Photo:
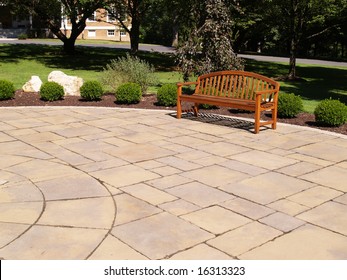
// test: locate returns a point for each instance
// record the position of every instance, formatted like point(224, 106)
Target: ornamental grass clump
point(289, 105)
point(7, 90)
point(51, 91)
point(128, 69)
point(331, 112)
point(91, 91)
point(128, 93)
point(167, 95)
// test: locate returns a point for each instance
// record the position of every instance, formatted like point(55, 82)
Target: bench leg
point(256, 121)
point(274, 118)
point(196, 109)
point(179, 109)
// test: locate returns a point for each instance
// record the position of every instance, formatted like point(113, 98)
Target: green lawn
point(19, 62)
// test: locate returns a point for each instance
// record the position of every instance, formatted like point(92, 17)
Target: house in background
point(101, 25)
point(12, 26)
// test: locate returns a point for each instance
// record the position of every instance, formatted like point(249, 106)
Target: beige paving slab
point(72, 187)
point(268, 187)
point(299, 168)
point(160, 235)
point(216, 219)
point(54, 243)
point(332, 176)
point(282, 222)
point(24, 191)
point(189, 141)
point(40, 137)
point(306, 243)
point(324, 151)
point(200, 194)
point(149, 194)
point(82, 130)
point(10, 231)
point(243, 167)
point(209, 160)
point(288, 207)
point(264, 159)
point(310, 159)
point(330, 215)
point(179, 163)
point(141, 137)
point(166, 170)
point(222, 148)
point(114, 249)
point(169, 181)
point(215, 175)
point(20, 212)
point(17, 148)
point(244, 238)
point(124, 175)
point(201, 252)
point(130, 209)
point(101, 165)
point(247, 208)
point(179, 207)
point(341, 199)
point(86, 213)
point(141, 152)
point(40, 170)
point(315, 196)
point(5, 137)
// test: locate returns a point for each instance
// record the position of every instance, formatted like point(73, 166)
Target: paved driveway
point(101, 183)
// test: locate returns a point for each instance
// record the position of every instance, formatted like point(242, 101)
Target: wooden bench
point(234, 89)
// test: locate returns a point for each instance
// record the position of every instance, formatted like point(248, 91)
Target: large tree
point(50, 13)
point(123, 10)
point(209, 46)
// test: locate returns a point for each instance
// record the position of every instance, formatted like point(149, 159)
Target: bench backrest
point(234, 84)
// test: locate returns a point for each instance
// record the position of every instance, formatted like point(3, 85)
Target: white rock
point(71, 84)
point(33, 85)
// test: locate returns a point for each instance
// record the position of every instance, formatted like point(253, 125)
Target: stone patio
point(101, 183)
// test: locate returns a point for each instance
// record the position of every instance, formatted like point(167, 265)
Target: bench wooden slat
point(234, 89)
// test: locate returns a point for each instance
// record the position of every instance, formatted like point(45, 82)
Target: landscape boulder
point(33, 85)
point(71, 84)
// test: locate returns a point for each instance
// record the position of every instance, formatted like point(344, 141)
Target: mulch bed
point(149, 102)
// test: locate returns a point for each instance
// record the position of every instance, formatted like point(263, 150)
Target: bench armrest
point(180, 85)
point(186, 84)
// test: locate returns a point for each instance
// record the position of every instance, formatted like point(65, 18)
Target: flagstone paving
point(109, 183)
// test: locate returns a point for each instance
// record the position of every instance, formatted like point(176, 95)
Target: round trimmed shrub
point(331, 112)
point(289, 105)
point(91, 90)
point(51, 91)
point(6, 90)
point(128, 93)
point(167, 95)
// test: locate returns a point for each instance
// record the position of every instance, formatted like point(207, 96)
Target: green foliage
point(128, 69)
point(51, 91)
point(91, 90)
point(22, 36)
point(289, 105)
point(6, 90)
point(167, 95)
point(128, 93)
point(331, 112)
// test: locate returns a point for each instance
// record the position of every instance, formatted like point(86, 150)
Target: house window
point(91, 33)
point(110, 32)
point(92, 17)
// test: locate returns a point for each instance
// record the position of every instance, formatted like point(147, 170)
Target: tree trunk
point(69, 45)
point(134, 36)
point(292, 59)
